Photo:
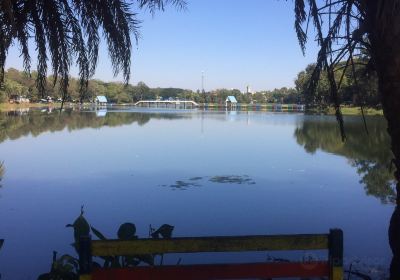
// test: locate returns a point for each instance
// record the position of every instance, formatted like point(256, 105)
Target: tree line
point(19, 83)
point(365, 92)
point(362, 91)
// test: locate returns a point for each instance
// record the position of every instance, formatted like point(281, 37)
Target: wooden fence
point(331, 268)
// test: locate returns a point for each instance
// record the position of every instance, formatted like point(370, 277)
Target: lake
point(207, 173)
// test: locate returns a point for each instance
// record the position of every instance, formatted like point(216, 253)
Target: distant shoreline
point(329, 111)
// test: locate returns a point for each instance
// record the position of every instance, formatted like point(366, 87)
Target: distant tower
point(248, 89)
point(202, 87)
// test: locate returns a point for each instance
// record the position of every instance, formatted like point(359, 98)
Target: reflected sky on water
point(206, 173)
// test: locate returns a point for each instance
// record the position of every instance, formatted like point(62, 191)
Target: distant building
point(230, 102)
point(101, 100)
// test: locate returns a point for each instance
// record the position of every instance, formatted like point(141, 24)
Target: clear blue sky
point(234, 42)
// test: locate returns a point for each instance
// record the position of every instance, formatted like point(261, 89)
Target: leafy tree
point(368, 29)
point(220, 95)
point(95, 87)
point(259, 97)
point(11, 87)
point(363, 93)
point(17, 82)
point(143, 90)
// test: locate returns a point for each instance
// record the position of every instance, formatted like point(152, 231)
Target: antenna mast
point(202, 86)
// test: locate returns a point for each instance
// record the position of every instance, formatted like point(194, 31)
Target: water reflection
point(123, 182)
point(2, 171)
point(101, 112)
point(16, 124)
point(369, 154)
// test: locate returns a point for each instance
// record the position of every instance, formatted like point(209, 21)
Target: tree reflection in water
point(16, 124)
point(369, 154)
point(2, 170)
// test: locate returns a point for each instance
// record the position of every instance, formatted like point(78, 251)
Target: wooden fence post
point(85, 258)
point(336, 254)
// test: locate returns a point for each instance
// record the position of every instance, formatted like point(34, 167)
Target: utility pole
point(202, 87)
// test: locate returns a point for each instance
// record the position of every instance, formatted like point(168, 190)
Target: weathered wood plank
point(224, 271)
point(210, 244)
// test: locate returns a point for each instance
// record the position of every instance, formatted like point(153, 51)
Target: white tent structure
point(230, 102)
point(101, 100)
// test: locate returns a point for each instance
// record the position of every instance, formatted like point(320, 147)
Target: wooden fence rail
point(332, 268)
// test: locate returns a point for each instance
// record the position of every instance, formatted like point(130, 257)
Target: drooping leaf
point(165, 231)
point(127, 231)
point(70, 260)
point(98, 234)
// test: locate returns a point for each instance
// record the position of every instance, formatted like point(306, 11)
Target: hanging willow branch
point(66, 32)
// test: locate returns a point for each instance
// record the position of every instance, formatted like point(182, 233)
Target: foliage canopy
point(67, 32)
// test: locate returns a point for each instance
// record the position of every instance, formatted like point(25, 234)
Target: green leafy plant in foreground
point(66, 267)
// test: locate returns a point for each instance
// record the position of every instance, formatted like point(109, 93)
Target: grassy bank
point(347, 111)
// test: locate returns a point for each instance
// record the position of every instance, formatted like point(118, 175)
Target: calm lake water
point(206, 173)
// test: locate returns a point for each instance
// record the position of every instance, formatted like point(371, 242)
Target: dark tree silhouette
point(67, 32)
point(347, 29)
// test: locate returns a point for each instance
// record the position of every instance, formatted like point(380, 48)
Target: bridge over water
point(188, 104)
point(167, 104)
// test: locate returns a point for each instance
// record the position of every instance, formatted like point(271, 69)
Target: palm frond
point(66, 32)
point(154, 5)
point(340, 34)
point(300, 17)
